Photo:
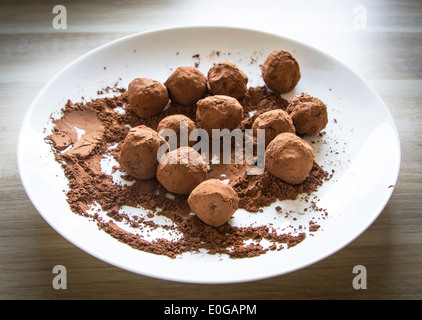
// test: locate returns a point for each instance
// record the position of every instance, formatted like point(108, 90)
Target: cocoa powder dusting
point(92, 191)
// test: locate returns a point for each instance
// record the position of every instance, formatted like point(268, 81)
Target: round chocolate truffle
point(219, 112)
point(186, 85)
point(281, 71)
point(214, 202)
point(289, 158)
point(227, 79)
point(181, 170)
point(273, 122)
point(177, 122)
point(147, 97)
point(138, 154)
point(309, 114)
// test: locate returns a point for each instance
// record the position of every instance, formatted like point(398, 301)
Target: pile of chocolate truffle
point(182, 170)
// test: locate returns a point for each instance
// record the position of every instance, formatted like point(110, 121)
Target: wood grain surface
point(386, 51)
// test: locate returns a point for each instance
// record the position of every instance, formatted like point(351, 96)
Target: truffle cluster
point(215, 97)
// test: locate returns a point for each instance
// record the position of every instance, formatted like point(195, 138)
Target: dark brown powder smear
point(105, 129)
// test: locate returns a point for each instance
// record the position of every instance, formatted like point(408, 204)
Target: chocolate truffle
point(219, 112)
point(273, 122)
point(227, 79)
point(147, 97)
point(289, 158)
point(181, 170)
point(281, 71)
point(213, 202)
point(138, 154)
point(309, 114)
point(174, 122)
point(186, 85)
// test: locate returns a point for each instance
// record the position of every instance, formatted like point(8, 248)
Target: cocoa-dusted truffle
point(219, 112)
point(309, 114)
point(138, 154)
point(186, 85)
point(181, 170)
point(147, 97)
point(273, 122)
point(289, 158)
point(174, 122)
point(226, 78)
point(214, 202)
point(281, 71)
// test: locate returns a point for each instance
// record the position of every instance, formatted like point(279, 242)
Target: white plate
point(361, 129)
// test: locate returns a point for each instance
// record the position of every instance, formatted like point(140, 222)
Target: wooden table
point(385, 48)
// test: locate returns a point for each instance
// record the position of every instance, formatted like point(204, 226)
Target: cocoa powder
point(90, 187)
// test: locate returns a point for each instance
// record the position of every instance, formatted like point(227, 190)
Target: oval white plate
point(361, 131)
